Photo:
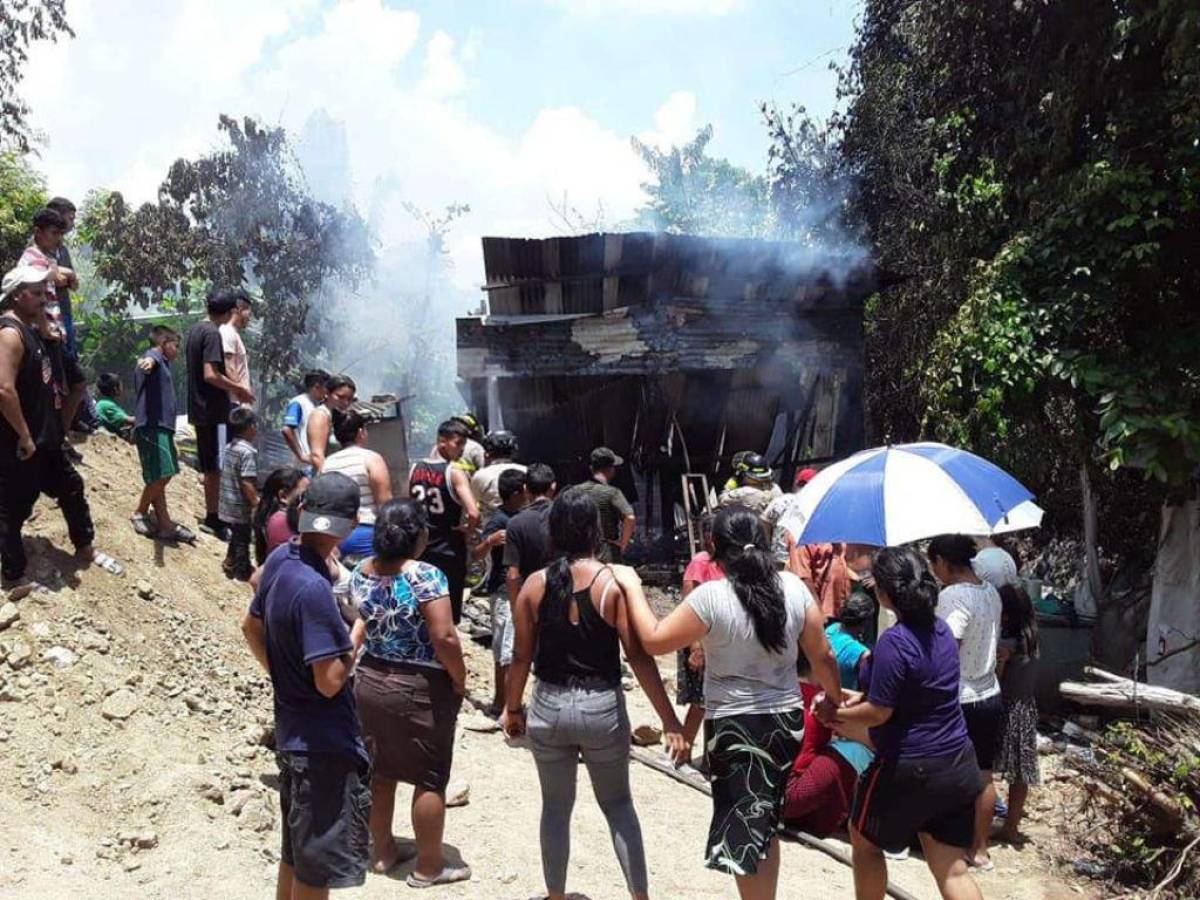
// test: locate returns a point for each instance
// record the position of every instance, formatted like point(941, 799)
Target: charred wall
point(673, 350)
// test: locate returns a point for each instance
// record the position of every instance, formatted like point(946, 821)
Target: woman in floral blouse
point(409, 688)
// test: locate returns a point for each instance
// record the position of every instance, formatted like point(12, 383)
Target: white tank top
point(352, 462)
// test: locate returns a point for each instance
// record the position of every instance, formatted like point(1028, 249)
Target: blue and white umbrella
point(906, 492)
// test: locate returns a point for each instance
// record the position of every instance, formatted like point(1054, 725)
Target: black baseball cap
point(330, 505)
point(603, 458)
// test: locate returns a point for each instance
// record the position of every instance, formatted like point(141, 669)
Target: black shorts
point(325, 805)
point(898, 799)
point(454, 566)
point(210, 441)
point(984, 721)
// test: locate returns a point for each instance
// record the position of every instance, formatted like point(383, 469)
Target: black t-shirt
point(35, 391)
point(498, 522)
point(528, 543)
point(207, 404)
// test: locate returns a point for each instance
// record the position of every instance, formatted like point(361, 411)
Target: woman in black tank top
point(570, 625)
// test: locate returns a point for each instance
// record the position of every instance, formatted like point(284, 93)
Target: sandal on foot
point(448, 875)
point(108, 564)
point(180, 533)
point(20, 588)
point(220, 532)
point(141, 524)
point(404, 856)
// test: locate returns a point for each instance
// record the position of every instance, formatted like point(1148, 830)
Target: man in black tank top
point(445, 490)
point(32, 455)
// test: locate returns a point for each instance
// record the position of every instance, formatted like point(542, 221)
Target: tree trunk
point(1173, 633)
point(1091, 536)
point(1116, 638)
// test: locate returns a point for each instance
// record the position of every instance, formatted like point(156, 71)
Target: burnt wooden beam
point(660, 338)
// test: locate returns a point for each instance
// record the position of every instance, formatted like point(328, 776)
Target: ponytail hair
point(740, 546)
point(911, 587)
point(574, 534)
point(281, 481)
point(399, 525)
point(956, 549)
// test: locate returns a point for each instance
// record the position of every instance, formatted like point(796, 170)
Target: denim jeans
point(565, 723)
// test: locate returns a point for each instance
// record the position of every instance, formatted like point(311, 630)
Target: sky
point(506, 105)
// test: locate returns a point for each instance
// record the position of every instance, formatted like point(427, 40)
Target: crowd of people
point(837, 686)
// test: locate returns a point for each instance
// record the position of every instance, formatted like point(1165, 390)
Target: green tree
point(694, 193)
point(22, 193)
point(22, 23)
point(1029, 173)
point(808, 185)
point(238, 216)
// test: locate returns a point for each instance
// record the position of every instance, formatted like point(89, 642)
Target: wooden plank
point(611, 284)
point(698, 782)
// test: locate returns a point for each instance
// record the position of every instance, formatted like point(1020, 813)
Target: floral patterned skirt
point(1017, 756)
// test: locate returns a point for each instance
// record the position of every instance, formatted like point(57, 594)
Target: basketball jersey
point(429, 484)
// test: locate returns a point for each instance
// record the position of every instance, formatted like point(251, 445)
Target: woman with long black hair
point(924, 779)
point(271, 526)
point(750, 624)
point(571, 621)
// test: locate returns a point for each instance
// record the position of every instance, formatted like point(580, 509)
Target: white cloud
point(134, 92)
point(674, 122)
point(649, 7)
point(444, 75)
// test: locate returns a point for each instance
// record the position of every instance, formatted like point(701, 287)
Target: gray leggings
point(565, 722)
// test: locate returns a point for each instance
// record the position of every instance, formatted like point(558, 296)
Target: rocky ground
point(135, 760)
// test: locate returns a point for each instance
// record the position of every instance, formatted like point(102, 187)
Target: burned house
point(675, 351)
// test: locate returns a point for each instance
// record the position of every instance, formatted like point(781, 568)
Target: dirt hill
point(134, 761)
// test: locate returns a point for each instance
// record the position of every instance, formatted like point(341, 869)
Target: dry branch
point(1122, 693)
point(1171, 811)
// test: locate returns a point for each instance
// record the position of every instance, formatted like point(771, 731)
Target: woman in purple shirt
point(924, 779)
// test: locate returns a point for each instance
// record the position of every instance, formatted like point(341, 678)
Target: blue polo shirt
point(155, 393)
point(303, 626)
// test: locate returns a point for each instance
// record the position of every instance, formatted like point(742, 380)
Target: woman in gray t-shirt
point(751, 624)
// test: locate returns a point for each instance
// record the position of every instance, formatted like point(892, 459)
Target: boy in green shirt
point(112, 415)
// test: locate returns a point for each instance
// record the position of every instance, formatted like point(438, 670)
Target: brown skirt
point(408, 714)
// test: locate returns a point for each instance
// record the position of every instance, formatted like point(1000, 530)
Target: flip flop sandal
point(405, 856)
point(220, 533)
point(141, 524)
point(182, 534)
point(108, 564)
point(448, 875)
